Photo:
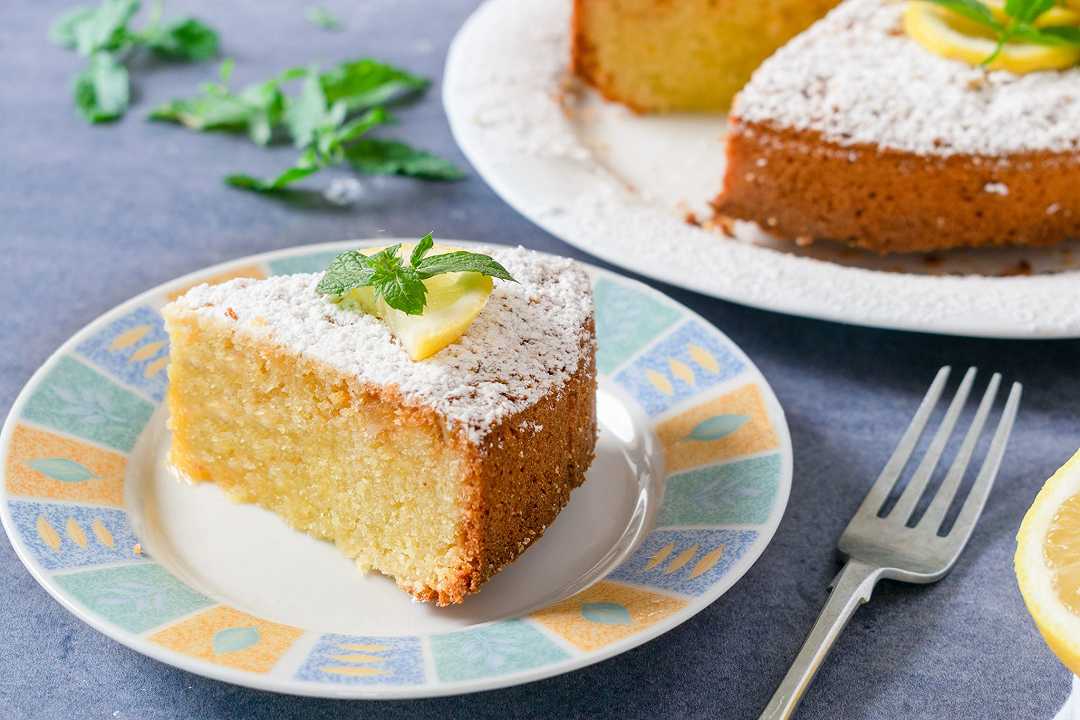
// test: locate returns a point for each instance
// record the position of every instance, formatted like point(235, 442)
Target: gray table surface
point(90, 216)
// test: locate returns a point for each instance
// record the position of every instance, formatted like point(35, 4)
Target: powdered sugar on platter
point(631, 189)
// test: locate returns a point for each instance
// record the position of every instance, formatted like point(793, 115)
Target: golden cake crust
point(797, 184)
point(521, 477)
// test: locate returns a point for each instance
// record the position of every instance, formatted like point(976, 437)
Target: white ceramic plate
point(691, 479)
point(619, 186)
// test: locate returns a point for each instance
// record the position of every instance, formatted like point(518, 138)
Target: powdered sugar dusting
point(857, 78)
point(527, 341)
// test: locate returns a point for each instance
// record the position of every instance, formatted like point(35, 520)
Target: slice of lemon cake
point(436, 472)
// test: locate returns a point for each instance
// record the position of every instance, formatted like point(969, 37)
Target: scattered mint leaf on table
point(256, 110)
point(101, 90)
point(401, 286)
point(320, 17)
point(325, 147)
point(187, 40)
point(375, 156)
point(311, 111)
point(286, 178)
point(89, 30)
point(104, 35)
point(365, 83)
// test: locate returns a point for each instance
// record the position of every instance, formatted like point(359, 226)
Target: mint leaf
point(324, 146)
point(462, 261)
point(401, 286)
point(320, 17)
point(64, 32)
point(105, 28)
point(208, 112)
point(1069, 34)
point(310, 111)
point(186, 40)
point(972, 10)
point(329, 140)
point(389, 157)
point(286, 178)
point(101, 91)
point(348, 270)
point(422, 247)
point(257, 109)
point(1027, 11)
point(1022, 15)
point(365, 83)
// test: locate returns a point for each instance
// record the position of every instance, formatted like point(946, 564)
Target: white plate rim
point(430, 688)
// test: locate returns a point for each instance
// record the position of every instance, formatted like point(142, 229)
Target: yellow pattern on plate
point(754, 435)
point(257, 646)
point(605, 613)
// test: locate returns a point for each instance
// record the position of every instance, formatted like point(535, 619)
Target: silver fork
point(885, 547)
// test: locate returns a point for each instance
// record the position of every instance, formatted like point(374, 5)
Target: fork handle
point(850, 589)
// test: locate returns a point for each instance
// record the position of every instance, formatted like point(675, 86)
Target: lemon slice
point(453, 302)
point(1048, 562)
point(957, 38)
point(1054, 17)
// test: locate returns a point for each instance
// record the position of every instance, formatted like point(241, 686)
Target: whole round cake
point(901, 126)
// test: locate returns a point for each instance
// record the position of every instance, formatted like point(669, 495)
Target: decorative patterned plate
point(630, 189)
point(691, 479)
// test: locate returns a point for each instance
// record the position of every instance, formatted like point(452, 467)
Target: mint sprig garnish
point(399, 284)
point(105, 36)
point(1020, 24)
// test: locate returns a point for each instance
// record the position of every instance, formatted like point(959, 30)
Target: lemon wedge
point(1048, 562)
point(1054, 17)
point(453, 302)
point(957, 38)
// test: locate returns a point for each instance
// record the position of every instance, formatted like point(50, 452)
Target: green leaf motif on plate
point(606, 613)
point(61, 469)
point(716, 427)
point(235, 639)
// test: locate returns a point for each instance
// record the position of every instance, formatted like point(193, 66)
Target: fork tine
point(935, 513)
point(973, 506)
point(889, 474)
point(917, 485)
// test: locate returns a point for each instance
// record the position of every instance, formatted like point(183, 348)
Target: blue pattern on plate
point(364, 660)
point(686, 561)
point(134, 348)
point(691, 359)
point(62, 536)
